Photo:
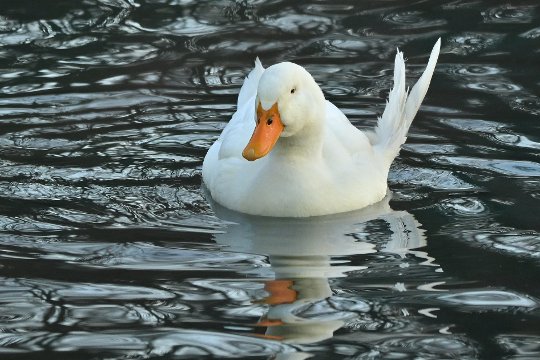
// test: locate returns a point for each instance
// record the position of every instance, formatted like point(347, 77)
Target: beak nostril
point(269, 121)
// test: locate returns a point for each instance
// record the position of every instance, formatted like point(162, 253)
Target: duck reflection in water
point(300, 252)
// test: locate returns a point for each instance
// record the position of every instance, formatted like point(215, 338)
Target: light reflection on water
point(300, 254)
point(109, 248)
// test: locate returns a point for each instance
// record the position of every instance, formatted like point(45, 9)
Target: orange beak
point(266, 134)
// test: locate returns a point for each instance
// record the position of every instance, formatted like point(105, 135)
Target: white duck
point(310, 159)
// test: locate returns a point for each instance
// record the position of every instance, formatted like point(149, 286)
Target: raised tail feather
point(393, 125)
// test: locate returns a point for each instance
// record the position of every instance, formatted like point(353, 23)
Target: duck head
point(289, 103)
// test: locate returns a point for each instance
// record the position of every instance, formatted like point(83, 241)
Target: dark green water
point(110, 250)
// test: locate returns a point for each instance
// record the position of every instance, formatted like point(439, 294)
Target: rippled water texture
point(109, 248)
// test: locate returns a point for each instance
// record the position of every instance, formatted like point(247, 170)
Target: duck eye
point(293, 90)
point(269, 121)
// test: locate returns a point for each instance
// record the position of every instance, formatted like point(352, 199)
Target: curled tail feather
point(393, 125)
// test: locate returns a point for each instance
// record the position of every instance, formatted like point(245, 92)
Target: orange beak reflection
point(281, 292)
point(266, 134)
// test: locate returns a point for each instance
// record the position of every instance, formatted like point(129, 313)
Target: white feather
point(393, 125)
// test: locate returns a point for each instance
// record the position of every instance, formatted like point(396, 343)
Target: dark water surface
point(109, 249)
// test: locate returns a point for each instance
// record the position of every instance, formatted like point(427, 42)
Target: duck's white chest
point(295, 188)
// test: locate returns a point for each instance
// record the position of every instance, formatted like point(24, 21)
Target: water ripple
point(305, 24)
point(500, 166)
point(496, 87)
point(197, 343)
point(508, 14)
point(531, 34)
point(465, 206)
point(436, 179)
point(477, 69)
point(412, 20)
point(429, 347)
point(66, 43)
point(94, 292)
point(520, 346)
point(529, 104)
point(109, 248)
point(115, 341)
point(473, 43)
point(489, 299)
point(19, 307)
point(146, 256)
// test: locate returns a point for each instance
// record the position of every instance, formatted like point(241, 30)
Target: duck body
point(304, 157)
point(311, 184)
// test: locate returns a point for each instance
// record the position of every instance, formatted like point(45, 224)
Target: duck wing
point(236, 134)
point(225, 154)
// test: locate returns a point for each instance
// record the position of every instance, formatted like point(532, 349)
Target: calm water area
point(110, 248)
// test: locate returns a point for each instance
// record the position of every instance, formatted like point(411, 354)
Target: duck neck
point(307, 143)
